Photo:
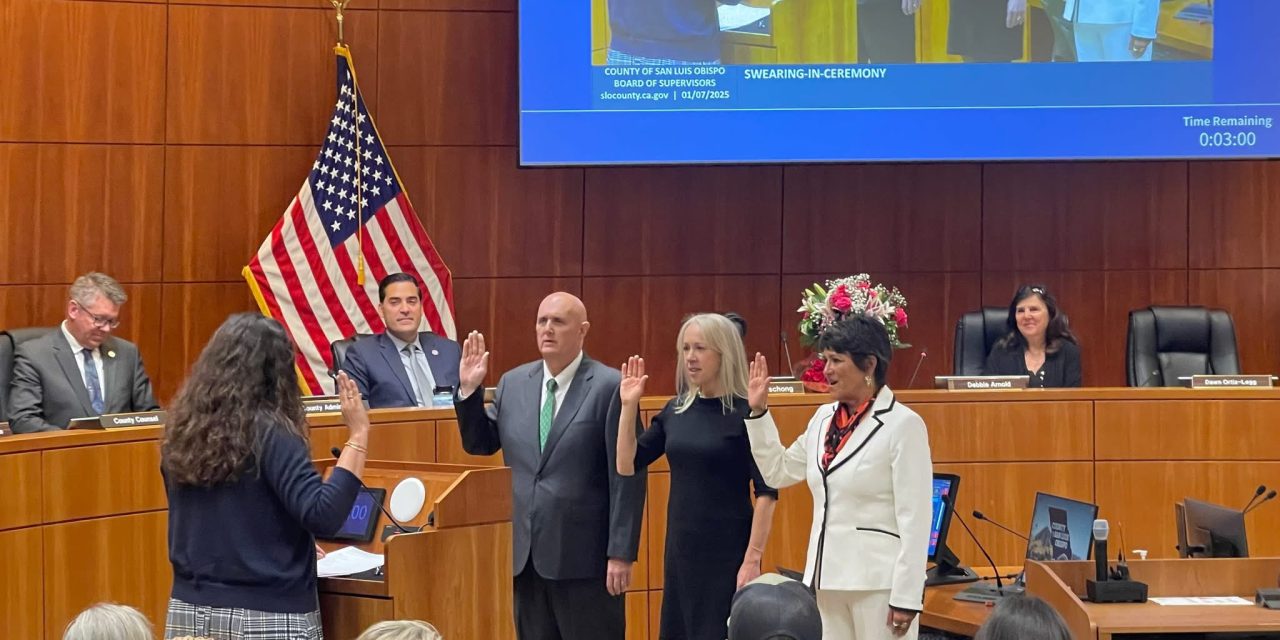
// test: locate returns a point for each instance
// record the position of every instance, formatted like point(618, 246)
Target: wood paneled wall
point(160, 141)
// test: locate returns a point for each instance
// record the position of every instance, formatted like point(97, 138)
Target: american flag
point(305, 272)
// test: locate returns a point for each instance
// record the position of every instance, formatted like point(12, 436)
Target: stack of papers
point(1230, 601)
point(346, 561)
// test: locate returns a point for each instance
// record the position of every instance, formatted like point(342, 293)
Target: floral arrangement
point(821, 307)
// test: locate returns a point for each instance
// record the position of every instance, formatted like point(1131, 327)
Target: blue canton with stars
point(333, 176)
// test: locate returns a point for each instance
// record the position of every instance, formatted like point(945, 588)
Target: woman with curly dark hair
point(1039, 342)
point(244, 498)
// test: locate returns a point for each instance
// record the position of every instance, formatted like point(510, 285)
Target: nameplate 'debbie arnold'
point(986, 383)
point(321, 404)
point(1231, 381)
point(135, 419)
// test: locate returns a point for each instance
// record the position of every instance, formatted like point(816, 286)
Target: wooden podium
point(455, 573)
point(1062, 585)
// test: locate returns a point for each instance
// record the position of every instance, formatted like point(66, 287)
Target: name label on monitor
point(785, 386)
point(986, 383)
point(321, 404)
point(136, 419)
point(1231, 382)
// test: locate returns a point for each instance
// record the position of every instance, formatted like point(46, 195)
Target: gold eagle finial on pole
point(340, 6)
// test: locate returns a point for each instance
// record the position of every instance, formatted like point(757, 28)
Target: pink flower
point(863, 284)
point(900, 317)
point(840, 300)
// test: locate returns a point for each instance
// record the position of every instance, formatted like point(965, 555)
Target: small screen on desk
point(363, 519)
point(941, 492)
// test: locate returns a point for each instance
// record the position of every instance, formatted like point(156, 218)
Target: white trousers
point(1107, 43)
point(859, 615)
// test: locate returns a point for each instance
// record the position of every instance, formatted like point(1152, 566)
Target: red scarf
point(842, 425)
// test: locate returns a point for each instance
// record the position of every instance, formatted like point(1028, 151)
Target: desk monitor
point(1061, 529)
point(947, 568)
point(363, 519)
point(93, 422)
point(1214, 531)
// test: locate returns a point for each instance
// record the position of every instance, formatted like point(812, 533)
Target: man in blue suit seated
point(403, 367)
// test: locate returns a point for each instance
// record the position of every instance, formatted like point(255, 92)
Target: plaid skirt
point(226, 623)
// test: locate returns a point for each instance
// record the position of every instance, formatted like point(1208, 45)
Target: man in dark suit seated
point(403, 367)
point(79, 370)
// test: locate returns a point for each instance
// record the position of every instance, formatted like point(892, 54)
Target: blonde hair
point(401, 630)
point(109, 622)
point(721, 336)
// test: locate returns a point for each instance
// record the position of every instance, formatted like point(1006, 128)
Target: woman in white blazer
point(1113, 30)
point(866, 459)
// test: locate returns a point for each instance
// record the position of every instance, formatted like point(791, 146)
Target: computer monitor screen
point(1214, 531)
point(944, 488)
point(363, 520)
point(1061, 529)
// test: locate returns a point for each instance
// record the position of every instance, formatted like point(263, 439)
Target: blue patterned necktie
point(91, 383)
point(548, 413)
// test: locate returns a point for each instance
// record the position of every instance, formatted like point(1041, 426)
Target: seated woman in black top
point(244, 497)
point(1039, 342)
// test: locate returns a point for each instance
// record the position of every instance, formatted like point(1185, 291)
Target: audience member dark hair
point(1059, 328)
point(738, 321)
point(860, 337)
point(774, 608)
point(394, 278)
point(1024, 617)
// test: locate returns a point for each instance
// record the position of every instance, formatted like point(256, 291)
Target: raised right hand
point(633, 379)
point(474, 364)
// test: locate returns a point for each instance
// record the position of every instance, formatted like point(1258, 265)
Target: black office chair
point(1166, 343)
point(338, 351)
point(9, 341)
point(976, 332)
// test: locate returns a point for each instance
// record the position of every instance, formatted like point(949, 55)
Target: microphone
point(1262, 488)
point(1101, 529)
point(338, 453)
point(924, 351)
point(1270, 496)
point(978, 514)
point(994, 568)
point(786, 353)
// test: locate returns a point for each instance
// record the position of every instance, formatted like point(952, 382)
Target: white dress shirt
point(423, 396)
point(563, 380)
point(77, 355)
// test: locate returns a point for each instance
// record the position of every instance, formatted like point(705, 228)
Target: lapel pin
point(111, 354)
point(435, 352)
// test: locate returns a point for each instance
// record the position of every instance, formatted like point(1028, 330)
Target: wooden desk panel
point(20, 501)
point(1008, 431)
point(656, 528)
point(22, 589)
point(1141, 495)
point(347, 616)
point(464, 602)
point(449, 447)
point(124, 559)
point(638, 616)
point(655, 614)
point(409, 441)
point(88, 482)
point(1188, 430)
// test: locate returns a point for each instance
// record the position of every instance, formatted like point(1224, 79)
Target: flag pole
point(340, 6)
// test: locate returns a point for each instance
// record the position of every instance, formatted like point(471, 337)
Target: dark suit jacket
point(47, 390)
point(375, 365)
point(1060, 369)
point(570, 494)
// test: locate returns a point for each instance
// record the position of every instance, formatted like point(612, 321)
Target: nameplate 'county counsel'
point(982, 383)
point(136, 419)
point(321, 404)
point(1231, 382)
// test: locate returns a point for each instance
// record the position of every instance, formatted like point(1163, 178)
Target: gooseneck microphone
point(1101, 529)
point(994, 568)
point(786, 353)
point(978, 514)
point(338, 453)
point(923, 352)
point(1270, 496)
point(1262, 488)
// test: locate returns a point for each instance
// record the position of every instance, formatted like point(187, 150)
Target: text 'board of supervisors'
point(747, 81)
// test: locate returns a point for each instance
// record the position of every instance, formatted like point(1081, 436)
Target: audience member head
point(1023, 617)
point(710, 360)
point(561, 329)
point(93, 308)
point(401, 630)
point(244, 378)
point(1034, 319)
point(738, 321)
point(857, 353)
point(400, 303)
point(772, 607)
point(109, 622)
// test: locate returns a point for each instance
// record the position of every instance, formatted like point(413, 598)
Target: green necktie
point(548, 413)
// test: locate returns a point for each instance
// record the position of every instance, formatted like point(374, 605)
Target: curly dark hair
point(860, 337)
point(244, 378)
point(1059, 328)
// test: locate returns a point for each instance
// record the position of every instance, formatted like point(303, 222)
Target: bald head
point(561, 329)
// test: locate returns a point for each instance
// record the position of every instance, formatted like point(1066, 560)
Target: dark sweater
point(1060, 369)
point(683, 30)
point(249, 543)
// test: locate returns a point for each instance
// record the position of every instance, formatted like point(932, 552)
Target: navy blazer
point(375, 365)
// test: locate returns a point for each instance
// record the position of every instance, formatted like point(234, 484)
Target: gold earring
point(870, 381)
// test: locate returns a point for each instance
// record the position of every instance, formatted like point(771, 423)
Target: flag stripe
point(413, 253)
point(267, 273)
point(397, 250)
point(294, 302)
point(318, 274)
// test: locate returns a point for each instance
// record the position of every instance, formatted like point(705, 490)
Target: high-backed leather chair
point(976, 332)
point(338, 351)
point(9, 341)
point(1166, 343)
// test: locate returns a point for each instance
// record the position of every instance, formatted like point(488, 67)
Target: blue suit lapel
point(392, 357)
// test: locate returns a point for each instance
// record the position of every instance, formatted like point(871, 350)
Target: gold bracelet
point(356, 447)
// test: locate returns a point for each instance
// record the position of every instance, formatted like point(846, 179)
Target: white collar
point(76, 347)
point(566, 376)
point(400, 344)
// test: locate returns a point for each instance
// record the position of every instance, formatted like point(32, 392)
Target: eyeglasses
point(99, 321)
